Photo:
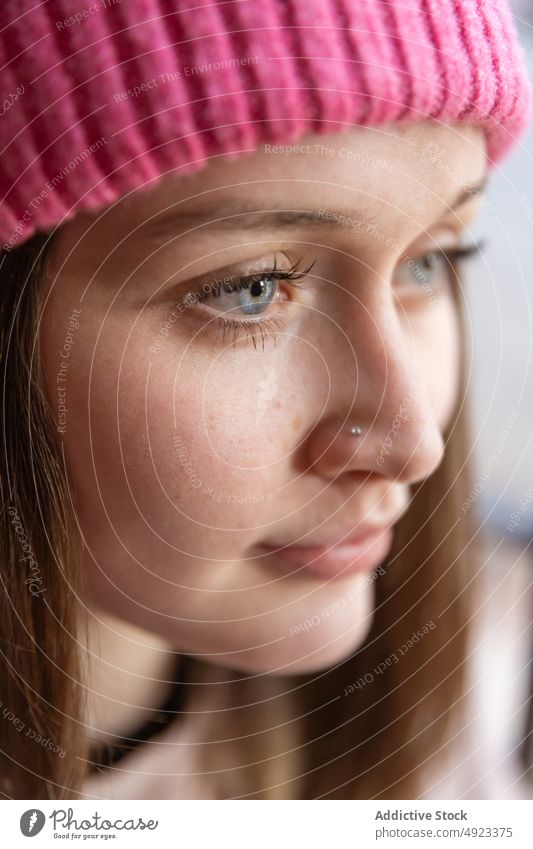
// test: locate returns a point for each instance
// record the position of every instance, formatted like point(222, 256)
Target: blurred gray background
point(500, 297)
point(500, 311)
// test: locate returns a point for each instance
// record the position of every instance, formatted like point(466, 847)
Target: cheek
point(233, 416)
point(242, 400)
point(162, 444)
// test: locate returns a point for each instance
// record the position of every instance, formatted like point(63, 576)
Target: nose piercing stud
point(355, 430)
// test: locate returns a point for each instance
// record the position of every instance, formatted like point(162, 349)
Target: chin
point(321, 647)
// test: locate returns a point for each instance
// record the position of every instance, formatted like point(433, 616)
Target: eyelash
point(231, 284)
point(265, 327)
point(458, 254)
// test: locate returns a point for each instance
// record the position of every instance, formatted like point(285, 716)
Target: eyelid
point(228, 283)
point(453, 257)
point(462, 216)
point(462, 252)
point(245, 268)
point(454, 253)
point(263, 325)
point(442, 239)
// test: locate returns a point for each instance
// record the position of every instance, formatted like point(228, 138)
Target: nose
point(375, 387)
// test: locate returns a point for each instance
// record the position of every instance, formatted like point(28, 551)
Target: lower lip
point(336, 561)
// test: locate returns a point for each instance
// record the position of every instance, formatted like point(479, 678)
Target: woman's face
point(204, 428)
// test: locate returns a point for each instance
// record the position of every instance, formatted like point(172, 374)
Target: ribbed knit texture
point(218, 78)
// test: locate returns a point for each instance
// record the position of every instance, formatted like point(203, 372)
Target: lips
point(359, 553)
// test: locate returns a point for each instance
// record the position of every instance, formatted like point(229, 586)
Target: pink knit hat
point(104, 97)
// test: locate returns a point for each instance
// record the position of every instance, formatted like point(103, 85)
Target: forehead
point(403, 177)
point(410, 171)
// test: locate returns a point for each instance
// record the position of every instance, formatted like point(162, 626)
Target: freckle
point(296, 422)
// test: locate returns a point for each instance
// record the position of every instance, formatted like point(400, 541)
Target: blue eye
point(435, 267)
point(258, 295)
point(423, 272)
point(238, 296)
point(248, 294)
point(430, 261)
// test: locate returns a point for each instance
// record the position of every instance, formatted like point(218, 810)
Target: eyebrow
point(239, 216)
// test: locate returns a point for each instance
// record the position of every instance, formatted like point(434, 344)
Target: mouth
point(361, 552)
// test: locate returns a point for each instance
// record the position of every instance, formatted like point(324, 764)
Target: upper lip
point(349, 536)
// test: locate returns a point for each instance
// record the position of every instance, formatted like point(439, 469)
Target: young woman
point(235, 561)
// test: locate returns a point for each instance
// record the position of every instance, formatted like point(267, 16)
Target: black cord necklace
point(111, 753)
